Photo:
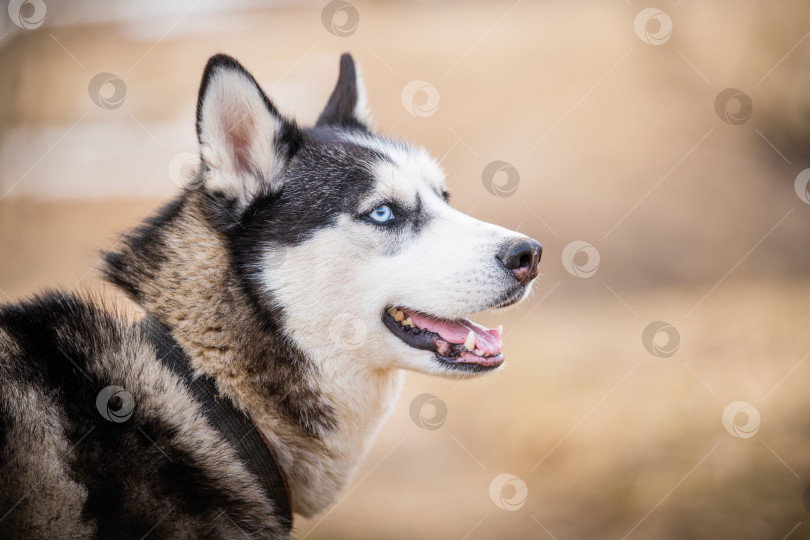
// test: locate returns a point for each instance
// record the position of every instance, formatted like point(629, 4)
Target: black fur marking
point(322, 181)
point(129, 273)
point(318, 187)
point(419, 218)
point(62, 340)
point(341, 109)
point(278, 366)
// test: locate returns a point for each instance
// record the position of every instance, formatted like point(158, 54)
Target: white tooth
point(469, 343)
point(478, 352)
point(392, 311)
point(398, 316)
point(500, 329)
point(407, 322)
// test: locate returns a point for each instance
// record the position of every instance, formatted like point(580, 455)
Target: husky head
point(349, 236)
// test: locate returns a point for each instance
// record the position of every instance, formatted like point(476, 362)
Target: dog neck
point(319, 416)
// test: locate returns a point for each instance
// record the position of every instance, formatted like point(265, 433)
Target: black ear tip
point(346, 62)
point(222, 61)
point(218, 63)
point(342, 108)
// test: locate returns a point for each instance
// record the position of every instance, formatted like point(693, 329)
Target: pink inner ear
point(239, 129)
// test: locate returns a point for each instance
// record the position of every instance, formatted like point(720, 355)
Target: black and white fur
point(255, 270)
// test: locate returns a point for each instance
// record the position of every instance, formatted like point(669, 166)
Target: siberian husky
point(286, 290)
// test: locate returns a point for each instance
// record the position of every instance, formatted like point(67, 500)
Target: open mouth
point(461, 344)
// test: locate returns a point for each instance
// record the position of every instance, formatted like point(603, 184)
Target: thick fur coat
point(287, 237)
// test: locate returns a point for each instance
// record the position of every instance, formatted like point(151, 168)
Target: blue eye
point(382, 214)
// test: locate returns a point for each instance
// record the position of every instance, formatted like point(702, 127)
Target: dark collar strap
point(222, 414)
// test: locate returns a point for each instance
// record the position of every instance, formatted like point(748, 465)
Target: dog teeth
point(469, 343)
point(399, 316)
point(407, 322)
point(392, 311)
point(478, 352)
point(500, 329)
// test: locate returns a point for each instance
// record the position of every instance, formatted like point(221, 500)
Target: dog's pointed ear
point(347, 105)
point(244, 141)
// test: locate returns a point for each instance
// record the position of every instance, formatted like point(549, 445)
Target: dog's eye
point(382, 214)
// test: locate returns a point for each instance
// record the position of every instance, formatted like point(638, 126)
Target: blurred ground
point(617, 143)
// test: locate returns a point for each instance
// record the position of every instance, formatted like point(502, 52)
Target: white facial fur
point(335, 286)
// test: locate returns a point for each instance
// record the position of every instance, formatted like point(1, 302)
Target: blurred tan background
point(611, 120)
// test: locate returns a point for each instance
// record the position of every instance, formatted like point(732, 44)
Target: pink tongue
point(487, 340)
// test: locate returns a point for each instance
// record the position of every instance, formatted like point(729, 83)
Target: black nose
point(522, 256)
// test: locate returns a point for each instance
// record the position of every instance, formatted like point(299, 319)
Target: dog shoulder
point(92, 426)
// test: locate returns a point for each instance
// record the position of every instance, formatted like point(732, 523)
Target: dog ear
point(244, 141)
point(347, 105)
